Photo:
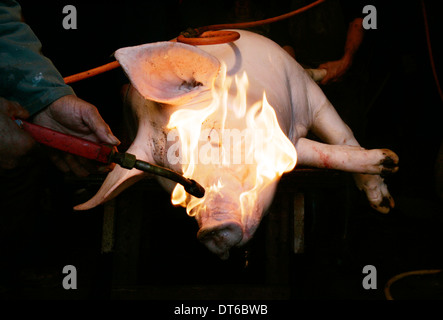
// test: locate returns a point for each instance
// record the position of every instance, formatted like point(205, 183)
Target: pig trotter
point(389, 166)
point(386, 202)
point(388, 162)
point(376, 191)
point(384, 206)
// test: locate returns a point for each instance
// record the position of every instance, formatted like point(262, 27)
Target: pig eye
point(188, 86)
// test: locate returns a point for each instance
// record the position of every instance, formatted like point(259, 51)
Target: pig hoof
point(376, 192)
point(388, 163)
point(220, 238)
point(385, 204)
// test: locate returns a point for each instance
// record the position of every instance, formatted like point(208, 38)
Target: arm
point(337, 69)
point(29, 80)
point(27, 76)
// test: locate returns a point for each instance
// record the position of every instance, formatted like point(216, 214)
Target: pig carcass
point(170, 76)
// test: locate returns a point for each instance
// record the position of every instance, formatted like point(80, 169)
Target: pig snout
point(220, 237)
point(220, 225)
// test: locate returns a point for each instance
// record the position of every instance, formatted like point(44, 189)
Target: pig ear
point(117, 180)
point(168, 72)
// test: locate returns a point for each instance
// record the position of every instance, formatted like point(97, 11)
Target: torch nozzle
point(191, 186)
point(194, 188)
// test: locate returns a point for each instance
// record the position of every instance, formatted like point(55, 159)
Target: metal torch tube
point(191, 186)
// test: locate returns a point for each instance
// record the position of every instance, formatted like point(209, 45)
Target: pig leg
point(367, 166)
point(346, 158)
point(329, 127)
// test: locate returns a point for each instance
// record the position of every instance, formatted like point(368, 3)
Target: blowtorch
point(104, 154)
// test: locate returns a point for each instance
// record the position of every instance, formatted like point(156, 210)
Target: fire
point(226, 135)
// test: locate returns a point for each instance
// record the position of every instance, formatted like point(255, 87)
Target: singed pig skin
point(168, 76)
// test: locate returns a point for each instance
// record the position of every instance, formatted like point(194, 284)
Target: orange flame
point(228, 136)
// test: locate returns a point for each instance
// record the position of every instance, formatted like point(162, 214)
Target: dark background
point(156, 252)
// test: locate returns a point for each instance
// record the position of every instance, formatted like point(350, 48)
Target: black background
point(405, 117)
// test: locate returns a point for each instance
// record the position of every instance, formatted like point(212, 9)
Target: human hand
point(335, 70)
point(289, 49)
point(14, 142)
point(74, 116)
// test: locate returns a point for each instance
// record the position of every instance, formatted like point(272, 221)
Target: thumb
point(101, 129)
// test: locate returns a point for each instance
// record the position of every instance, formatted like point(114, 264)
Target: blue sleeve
point(26, 76)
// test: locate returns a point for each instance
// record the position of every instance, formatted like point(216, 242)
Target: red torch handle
point(64, 142)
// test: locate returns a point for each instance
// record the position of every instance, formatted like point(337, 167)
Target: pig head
point(167, 77)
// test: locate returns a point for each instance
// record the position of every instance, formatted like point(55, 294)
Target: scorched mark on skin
point(324, 158)
point(389, 166)
point(388, 162)
point(157, 146)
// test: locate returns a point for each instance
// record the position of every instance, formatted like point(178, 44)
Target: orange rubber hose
point(201, 36)
point(196, 36)
point(92, 72)
point(210, 37)
point(388, 285)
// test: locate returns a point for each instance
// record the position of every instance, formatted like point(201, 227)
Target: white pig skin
point(167, 76)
